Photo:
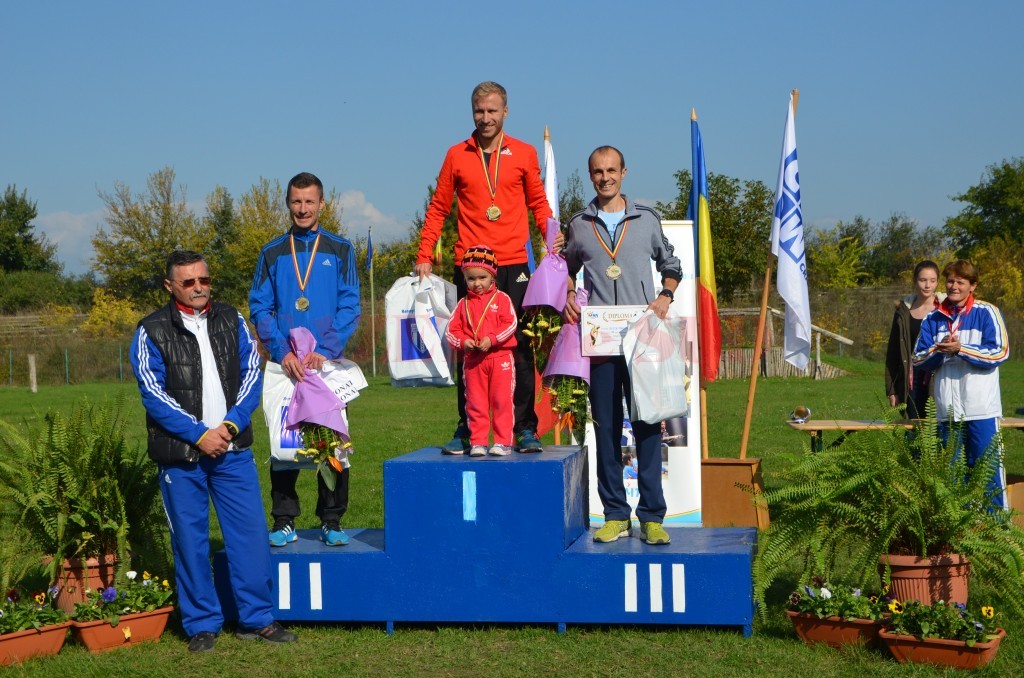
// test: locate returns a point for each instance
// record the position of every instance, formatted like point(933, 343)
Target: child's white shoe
point(477, 451)
point(499, 450)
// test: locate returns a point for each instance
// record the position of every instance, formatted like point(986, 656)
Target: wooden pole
point(759, 339)
point(32, 372)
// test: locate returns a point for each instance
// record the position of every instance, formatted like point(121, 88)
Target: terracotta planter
point(834, 631)
point(100, 636)
point(76, 577)
point(953, 653)
point(21, 645)
point(928, 579)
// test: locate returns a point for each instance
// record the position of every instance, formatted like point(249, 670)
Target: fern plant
point(890, 492)
point(77, 489)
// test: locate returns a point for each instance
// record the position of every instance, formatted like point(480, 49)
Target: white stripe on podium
point(316, 598)
point(655, 572)
point(630, 587)
point(678, 588)
point(284, 586)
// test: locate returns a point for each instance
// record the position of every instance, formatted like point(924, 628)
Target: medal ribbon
point(309, 267)
point(480, 320)
point(618, 243)
point(492, 187)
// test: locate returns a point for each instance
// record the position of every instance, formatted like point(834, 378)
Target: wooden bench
point(817, 427)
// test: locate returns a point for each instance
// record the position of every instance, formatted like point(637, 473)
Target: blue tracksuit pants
point(232, 483)
point(973, 438)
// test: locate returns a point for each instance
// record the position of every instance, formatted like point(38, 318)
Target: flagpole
point(554, 207)
point(704, 442)
point(373, 306)
point(759, 338)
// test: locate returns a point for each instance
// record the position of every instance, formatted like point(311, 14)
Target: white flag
point(550, 175)
point(788, 246)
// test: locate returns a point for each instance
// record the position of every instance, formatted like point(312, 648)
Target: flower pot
point(76, 577)
point(19, 646)
point(100, 636)
point(953, 653)
point(928, 579)
point(834, 631)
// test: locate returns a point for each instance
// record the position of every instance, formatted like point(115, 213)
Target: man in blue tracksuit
point(305, 278)
point(199, 375)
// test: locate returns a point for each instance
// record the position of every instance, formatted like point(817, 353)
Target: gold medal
point(302, 303)
point(493, 212)
point(614, 272)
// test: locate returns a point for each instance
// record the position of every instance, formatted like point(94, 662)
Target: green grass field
point(387, 422)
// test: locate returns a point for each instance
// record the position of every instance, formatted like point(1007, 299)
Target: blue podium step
point(503, 540)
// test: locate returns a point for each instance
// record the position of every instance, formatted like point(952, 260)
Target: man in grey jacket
point(614, 240)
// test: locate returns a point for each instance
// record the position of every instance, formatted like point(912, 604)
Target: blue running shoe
point(333, 537)
point(283, 534)
point(528, 441)
point(459, 443)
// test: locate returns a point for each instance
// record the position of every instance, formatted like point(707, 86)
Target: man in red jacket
point(496, 180)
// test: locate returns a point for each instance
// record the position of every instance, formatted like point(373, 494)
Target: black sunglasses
point(186, 284)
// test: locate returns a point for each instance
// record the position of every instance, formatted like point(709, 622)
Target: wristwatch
point(667, 293)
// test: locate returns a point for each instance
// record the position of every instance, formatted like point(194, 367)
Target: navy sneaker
point(271, 633)
point(528, 441)
point(459, 443)
point(333, 536)
point(283, 534)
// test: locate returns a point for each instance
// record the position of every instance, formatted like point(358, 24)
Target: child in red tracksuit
point(483, 326)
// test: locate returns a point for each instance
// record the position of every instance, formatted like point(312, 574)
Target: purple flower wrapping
point(567, 354)
point(550, 282)
point(313, 400)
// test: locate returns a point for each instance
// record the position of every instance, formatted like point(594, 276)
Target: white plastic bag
point(657, 369)
point(345, 379)
point(417, 316)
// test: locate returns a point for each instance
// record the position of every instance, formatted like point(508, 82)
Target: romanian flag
point(710, 331)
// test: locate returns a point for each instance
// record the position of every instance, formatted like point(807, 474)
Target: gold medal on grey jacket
point(614, 271)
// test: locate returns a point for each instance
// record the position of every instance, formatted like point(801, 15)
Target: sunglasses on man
point(190, 283)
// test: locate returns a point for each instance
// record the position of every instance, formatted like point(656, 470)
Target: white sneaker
point(499, 450)
point(477, 451)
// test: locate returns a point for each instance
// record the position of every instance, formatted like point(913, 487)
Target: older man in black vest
point(199, 375)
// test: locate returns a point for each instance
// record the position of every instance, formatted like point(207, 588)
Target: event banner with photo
point(680, 467)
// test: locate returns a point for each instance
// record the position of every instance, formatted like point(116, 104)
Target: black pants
point(512, 280)
point(284, 500)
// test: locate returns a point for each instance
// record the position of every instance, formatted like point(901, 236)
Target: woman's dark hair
point(927, 263)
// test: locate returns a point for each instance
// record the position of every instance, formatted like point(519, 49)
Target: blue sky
point(902, 104)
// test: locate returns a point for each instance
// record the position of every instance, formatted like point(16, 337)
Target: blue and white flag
point(788, 246)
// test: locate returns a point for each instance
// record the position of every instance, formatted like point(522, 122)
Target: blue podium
point(502, 539)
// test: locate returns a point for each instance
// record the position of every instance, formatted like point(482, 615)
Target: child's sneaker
point(477, 451)
point(499, 450)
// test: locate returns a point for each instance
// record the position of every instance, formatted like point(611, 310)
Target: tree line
point(142, 227)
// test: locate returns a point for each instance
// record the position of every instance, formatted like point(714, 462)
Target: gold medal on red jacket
point(493, 212)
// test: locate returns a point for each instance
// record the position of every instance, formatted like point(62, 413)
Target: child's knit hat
point(480, 256)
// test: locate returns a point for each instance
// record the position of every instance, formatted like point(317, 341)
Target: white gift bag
point(657, 369)
point(417, 313)
point(345, 379)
